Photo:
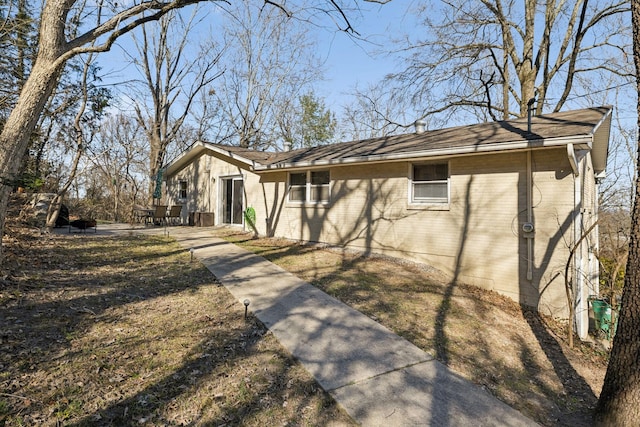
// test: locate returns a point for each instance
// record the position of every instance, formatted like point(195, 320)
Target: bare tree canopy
point(118, 161)
point(269, 64)
point(100, 25)
point(171, 80)
point(505, 53)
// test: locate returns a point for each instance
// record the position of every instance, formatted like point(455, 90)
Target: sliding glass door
point(232, 200)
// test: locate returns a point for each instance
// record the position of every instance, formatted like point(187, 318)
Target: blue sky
point(349, 60)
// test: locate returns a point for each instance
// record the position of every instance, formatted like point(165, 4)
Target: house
point(498, 205)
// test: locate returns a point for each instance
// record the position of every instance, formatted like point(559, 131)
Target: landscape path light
point(191, 252)
point(246, 307)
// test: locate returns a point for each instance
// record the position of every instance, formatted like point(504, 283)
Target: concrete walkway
point(379, 378)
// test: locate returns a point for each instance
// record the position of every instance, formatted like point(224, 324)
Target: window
point(182, 190)
point(430, 183)
point(319, 186)
point(298, 187)
point(310, 186)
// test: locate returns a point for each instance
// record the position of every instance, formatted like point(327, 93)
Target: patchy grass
point(127, 331)
point(519, 356)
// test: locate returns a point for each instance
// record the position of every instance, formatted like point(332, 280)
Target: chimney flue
point(530, 109)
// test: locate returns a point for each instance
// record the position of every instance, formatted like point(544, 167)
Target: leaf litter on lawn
point(127, 330)
point(517, 354)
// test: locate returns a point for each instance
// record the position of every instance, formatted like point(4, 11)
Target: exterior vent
point(420, 126)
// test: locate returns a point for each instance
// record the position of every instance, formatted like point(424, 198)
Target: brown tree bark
point(619, 403)
point(24, 117)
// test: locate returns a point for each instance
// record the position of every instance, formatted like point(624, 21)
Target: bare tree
point(172, 79)
point(104, 25)
point(374, 112)
point(269, 65)
point(84, 127)
point(119, 157)
point(613, 224)
point(504, 54)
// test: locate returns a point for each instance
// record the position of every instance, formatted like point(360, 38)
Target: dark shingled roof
point(568, 124)
point(549, 126)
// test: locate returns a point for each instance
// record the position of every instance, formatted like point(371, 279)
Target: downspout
point(573, 160)
point(528, 227)
point(596, 247)
point(577, 235)
point(208, 183)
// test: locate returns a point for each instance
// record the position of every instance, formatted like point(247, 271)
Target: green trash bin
point(602, 315)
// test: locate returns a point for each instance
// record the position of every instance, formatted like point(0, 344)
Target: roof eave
point(216, 149)
point(183, 159)
point(583, 141)
point(601, 135)
point(198, 148)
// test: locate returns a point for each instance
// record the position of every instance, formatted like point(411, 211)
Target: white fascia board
point(218, 150)
point(198, 148)
point(601, 135)
point(583, 142)
point(605, 118)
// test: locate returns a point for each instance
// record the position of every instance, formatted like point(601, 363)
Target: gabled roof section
point(250, 158)
point(582, 128)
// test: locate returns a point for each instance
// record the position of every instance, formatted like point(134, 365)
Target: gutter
point(585, 141)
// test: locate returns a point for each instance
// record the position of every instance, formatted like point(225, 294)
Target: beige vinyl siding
point(267, 195)
point(588, 248)
point(553, 201)
point(591, 248)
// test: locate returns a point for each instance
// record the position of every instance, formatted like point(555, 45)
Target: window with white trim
point(430, 183)
point(309, 186)
point(182, 189)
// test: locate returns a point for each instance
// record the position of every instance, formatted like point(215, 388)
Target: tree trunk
point(37, 90)
point(619, 403)
point(14, 139)
point(54, 211)
point(56, 203)
point(156, 158)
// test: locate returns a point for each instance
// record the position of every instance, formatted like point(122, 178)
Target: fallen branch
point(18, 397)
point(84, 310)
